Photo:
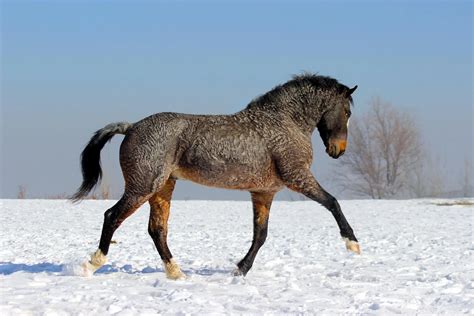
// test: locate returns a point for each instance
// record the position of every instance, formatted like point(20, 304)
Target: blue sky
point(69, 68)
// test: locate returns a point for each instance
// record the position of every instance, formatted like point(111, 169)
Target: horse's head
point(335, 122)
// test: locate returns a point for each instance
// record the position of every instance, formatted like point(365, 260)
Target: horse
point(261, 149)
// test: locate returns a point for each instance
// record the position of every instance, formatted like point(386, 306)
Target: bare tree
point(467, 187)
point(21, 192)
point(105, 191)
point(428, 177)
point(418, 181)
point(384, 148)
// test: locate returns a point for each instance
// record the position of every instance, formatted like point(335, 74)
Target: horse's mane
point(299, 81)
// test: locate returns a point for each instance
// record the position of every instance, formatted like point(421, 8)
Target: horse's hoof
point(173, 272)
point(98, 259)
point(237, 272)
point(352, 246)
point(176, 276)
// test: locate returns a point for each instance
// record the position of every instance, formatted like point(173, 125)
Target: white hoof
point(173, 272)
point(98, 259)
point(352, 245)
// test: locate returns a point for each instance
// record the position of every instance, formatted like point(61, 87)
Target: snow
point(416, 259)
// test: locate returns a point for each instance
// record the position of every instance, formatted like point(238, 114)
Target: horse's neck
point(301, 108)
point(307, 113)
point(294, 120)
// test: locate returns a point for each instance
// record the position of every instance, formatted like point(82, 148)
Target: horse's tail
point(90, 157)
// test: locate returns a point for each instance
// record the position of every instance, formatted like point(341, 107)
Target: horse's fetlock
point(244, 267)
point(97, 260)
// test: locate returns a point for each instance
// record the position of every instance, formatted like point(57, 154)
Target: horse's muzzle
point(336, 148)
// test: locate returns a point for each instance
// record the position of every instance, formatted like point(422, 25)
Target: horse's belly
point(227, 159)
point(231, 176)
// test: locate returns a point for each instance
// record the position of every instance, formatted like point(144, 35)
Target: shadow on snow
point(7, 268)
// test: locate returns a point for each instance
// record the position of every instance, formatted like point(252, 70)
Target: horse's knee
point(335, 205)
point(331, 204)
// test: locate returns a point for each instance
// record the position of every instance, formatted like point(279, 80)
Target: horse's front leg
point(262, 202)
point(302, 181)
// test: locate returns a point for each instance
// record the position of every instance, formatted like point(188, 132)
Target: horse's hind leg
point(262, 202)
point(113, 217)
point(158, 228)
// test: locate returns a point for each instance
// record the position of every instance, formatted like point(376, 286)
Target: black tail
point(90, 157)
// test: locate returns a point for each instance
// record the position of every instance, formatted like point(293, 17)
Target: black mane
point(299, 81)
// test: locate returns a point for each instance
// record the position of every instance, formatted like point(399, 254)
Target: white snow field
point(417, 258)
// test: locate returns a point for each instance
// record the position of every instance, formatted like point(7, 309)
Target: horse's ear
point(351, 91)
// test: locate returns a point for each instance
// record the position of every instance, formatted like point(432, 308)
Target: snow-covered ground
point(417, 258)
